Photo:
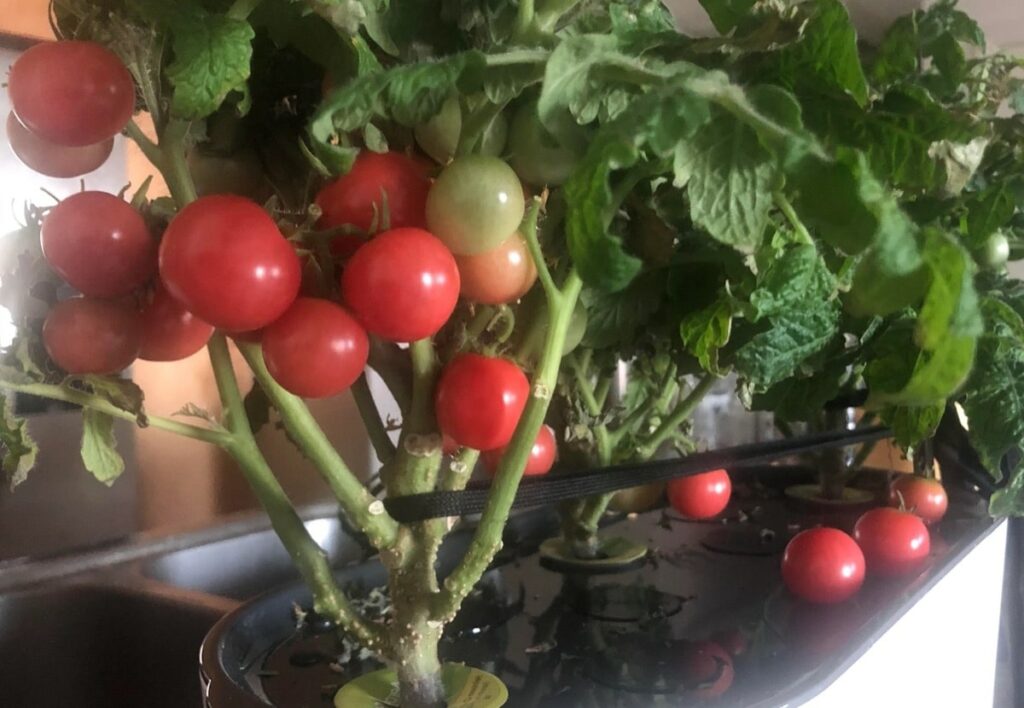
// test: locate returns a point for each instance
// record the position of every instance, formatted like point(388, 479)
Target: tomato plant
point(541, 459)
point(995, 252)
point(225, 260)
point(316, 349)
point(169, 331)
point(894, 542)
point(99, 244)
point(501, 275)
point(534, 154)
point(379, 184)
point(475, 204)
point(479, 400)
point(823, 565)
point(402, 285)
point(55, 160)
point(71, 93)
point(88, 336)
point(700, 496)
point(707, 670)
point(925, 497)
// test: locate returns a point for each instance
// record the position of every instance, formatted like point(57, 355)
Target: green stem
point(362, 509)
point(524, 21)
point(583, 385)
point(424, 376)
point(101, 405)
point(307, 555)
point(790, 213)
point(549, 12)
point(174, 166)
point(529, 231)
point(379, 437)
point(683, 411)
point(148, 147)
point(460, 469)
point(392, 365)
point(418, 460)
point(604, 386)
point(487, 539)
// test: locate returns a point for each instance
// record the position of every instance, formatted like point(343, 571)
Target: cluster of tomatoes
point(826, 565)
point(70, 99)
point(410, 245)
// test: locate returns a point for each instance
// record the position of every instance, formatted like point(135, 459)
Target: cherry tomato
point(499, 276)
point(479, 400)
point(224, 258)
point(99, 245)
point(534, 154)
point(358, 197)
point(707, 670)
point(55, 160)
point(638, 499)
point(71, 93)
point(924, 497)
point(475, 204)
point(87, 336)
point(316, 349)
point(439, 136)
point(533, 311)
point(994, 253)
point(402, 285)
point(700, 496)
point(169, 331)
point(540, 461)
point(823, 565)
point(894, 542)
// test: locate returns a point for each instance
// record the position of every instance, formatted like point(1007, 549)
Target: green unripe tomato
point(240, 173)
point(533, 317)
point(495, 137)
point(439, 136)
point(475, 204)
point(533, 152)
point(994, 253)
point(637, 500)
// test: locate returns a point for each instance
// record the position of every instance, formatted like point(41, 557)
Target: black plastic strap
point(553, 488)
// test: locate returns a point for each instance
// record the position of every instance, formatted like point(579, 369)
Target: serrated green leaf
point(801, 398)
point(826, 55)
point(912, 424)
point(19, 449)
point(726, 14)
point(797, 276)
point(191, 410)
point(706, 331)
point(99, 447)
point(988, 211)
point(729, 177)
point(123, 393)
point(616, 318)
point(212, 55)
point(775, 354)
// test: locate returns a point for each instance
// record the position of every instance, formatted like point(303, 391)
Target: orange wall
point(25, 18)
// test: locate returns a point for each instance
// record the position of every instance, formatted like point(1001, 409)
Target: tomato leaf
point(726, 14)
point(123, 393)
point(729, 178)
point(912, 424)
point(99, 447)
point(212, 55)
point(706, 331)
point(191, 410)
point(616, 318)
point(19, 449)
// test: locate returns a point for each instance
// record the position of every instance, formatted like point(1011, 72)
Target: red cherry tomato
point(87, 336)
point(55, 160)
point(479, 400)
point(402, 285)
point(224, 258)
point(169, 331)
point(540, 461)
point(316, 349)
point(924, 497)
point(707, 670)
point(357, 198)
point(700, 496)
point(71, 93)
point(499, 276)
point(894, 542)
point(99, 245)
point(823, 565)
